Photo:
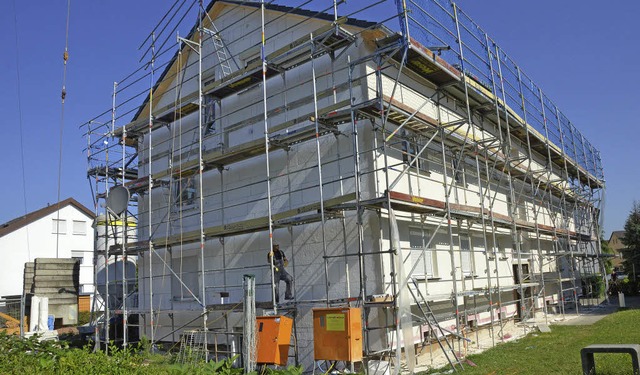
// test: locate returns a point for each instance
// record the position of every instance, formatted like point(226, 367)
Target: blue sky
point(581, 53)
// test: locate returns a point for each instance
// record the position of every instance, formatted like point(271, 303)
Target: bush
point(628, 287)
point(30, 356)
point(593, 286)
point(84, 317)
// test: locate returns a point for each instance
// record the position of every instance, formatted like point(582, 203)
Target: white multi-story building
point(380, 161)
point(47, 233)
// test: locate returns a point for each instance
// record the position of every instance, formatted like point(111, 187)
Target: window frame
point(468, 253)
point(181, 198)
point(61, 228)
point(189, 276)
point(410, 150)
point(84, 228)
point(428, 259)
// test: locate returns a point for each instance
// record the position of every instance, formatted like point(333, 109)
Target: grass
point(558, 352)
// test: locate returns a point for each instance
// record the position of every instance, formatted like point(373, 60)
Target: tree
point(605, 248)
point(631, 241)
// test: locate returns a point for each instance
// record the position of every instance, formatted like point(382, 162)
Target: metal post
point(150, 183)
point(519, 233)
point(122, 218)
point(108, 135)
point(494, 238)
point(562, 202)
point(549, 174)
point(203, 298)
point(267, 144)
point(249, 326)
point(343, 220)
point(319, 161)
point(356, 187)
point(507, 163)
point(476, 150)
point(393, 253)
point(22, 307)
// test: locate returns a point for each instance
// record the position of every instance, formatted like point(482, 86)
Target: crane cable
point(65, 57)
point(24, 178)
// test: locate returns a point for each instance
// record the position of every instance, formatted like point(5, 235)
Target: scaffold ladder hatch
point(434, 327)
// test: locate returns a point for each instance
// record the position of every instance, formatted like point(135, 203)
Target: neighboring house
point(489, 219)
point(34, 235)
point(615, 243)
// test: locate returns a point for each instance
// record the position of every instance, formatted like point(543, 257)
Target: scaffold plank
point(423, 61)
point(251, 225)
point(220, 157)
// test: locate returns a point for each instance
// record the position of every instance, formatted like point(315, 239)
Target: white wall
point(239, 193)
point(38, 240)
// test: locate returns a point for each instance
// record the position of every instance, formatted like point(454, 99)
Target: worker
point(279, 273)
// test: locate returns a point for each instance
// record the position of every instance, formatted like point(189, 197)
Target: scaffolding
point(328, 134)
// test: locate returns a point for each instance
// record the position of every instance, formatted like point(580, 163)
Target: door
point(527, 291)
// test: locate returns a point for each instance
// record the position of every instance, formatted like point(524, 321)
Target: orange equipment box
point(274, 335)
point(337, 334)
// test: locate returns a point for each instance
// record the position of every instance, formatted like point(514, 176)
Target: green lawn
point(558, 352)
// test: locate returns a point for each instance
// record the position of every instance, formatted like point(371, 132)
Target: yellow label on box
point(335, 322)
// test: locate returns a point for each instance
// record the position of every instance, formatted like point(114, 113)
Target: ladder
point(192, 348)
point(221, 50)
point(434, 327)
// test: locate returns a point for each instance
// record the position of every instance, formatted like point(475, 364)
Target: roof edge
point(22, 221)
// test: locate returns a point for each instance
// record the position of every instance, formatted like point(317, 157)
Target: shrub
point(30, 356)
point(593, 286)
point(628, 287)
point(84, 317)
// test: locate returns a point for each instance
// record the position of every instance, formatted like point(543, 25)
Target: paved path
point(591, 315)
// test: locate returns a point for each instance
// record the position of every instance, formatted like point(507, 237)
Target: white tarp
point(404, 302)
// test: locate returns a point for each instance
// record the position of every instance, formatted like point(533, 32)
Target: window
point(78, 255)
point(250, 56)
point(517, 208)
point(410, 156)
point(253, 59)
point(80, 227)
point(501, 248)
point(457, 168)
point(185, 278)
point(522, 211)
point(209, 114)
point(491, 246)
point(466, 258)
point(421, 254)
point(59, 226)
point(185, 190)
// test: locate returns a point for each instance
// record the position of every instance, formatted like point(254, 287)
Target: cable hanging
point(65, 58)
point(18, 87)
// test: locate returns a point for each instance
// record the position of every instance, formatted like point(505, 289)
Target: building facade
point(47, 233)
point(394, 173)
